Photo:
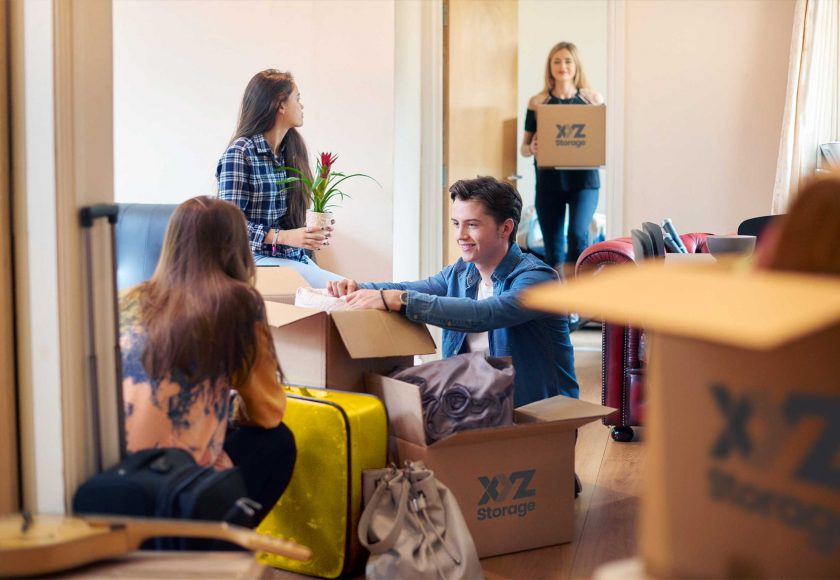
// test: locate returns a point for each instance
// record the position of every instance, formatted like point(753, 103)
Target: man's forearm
point(467, 314)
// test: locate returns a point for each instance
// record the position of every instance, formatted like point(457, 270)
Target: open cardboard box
point(515, 485)
point(336, 349)
point(743, 387)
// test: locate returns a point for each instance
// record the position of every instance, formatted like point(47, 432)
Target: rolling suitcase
point(338, 435)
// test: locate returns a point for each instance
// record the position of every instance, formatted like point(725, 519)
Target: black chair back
point(755, 226)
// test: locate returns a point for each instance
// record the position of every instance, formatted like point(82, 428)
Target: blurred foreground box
point(743, 472)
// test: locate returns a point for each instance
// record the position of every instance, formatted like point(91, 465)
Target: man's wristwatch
point(403, 301)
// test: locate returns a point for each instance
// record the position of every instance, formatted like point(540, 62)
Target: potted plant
point(322, 190)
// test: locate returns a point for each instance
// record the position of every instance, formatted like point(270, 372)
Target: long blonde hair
point(580, 76)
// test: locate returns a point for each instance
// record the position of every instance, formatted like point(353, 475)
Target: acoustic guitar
point(41, 544)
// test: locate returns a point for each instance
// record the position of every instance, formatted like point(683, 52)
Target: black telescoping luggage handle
point(87, 217)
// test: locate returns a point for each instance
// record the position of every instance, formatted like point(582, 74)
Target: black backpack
point(167, 483)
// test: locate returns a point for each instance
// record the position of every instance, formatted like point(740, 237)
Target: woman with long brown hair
point(565, 84)
point(266, 140)
point(192, 334)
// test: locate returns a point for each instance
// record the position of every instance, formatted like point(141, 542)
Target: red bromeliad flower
point(324, 187)
point(327, 160)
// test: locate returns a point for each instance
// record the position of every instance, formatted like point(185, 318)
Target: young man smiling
point(475, 300)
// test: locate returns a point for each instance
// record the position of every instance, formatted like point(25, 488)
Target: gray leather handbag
point(413, 527)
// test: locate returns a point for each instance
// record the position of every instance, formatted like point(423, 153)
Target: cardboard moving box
point(571, 136)
point(317, 349)
point(334, 350)
point(515, 485)
point(279, 284)
point(743, 386)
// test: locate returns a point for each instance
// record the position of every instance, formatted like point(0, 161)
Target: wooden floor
point(605, 519)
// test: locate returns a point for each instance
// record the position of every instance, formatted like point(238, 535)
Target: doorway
point(480, 91)
point(494, 58)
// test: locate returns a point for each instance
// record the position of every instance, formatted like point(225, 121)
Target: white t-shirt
point(479, 341)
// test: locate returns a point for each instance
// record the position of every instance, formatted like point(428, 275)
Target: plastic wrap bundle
point(468, 391)
point(319, 299)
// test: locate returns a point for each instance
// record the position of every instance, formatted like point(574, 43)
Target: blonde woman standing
point(565, 84)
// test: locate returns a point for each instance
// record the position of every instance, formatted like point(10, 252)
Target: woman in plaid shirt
point(248, 172)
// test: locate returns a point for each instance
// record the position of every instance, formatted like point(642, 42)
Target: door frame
point(614, 170)
point(9, 472)
point(61, 87)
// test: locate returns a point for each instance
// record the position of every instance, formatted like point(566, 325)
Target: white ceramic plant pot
point(317, 220)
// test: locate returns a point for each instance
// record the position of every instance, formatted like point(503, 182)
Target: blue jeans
point(551, 213)
point(311, 272)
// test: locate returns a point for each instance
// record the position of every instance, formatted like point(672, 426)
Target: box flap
point(374, 334)
point(278, 281)
point(283, 314)
point(748, 309)
point(403, 404)
point(561, 409)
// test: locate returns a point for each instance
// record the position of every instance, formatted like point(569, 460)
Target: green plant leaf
point(318, 190)
point(346, 177)
point(287, 180)
point(300, 173)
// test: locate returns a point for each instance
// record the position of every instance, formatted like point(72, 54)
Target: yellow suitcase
point(338, 434)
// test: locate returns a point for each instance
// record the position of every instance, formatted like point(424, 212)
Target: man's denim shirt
point(538, 343)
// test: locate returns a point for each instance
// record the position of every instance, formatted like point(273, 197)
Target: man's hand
point(373, 300)
point(342, 287)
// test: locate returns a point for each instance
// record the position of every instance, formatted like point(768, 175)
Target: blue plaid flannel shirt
point(248, 174)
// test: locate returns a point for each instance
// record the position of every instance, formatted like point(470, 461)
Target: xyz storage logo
point(573, 135)
point(509, 494)
point(757, 431)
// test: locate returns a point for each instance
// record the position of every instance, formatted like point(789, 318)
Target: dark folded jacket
point(467, 391)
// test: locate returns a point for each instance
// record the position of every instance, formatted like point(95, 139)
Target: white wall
point(705, 84)
point(180, 68)
point(407, 139)
point(542, 24)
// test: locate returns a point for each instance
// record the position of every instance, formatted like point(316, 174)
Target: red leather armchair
point(622, 371)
